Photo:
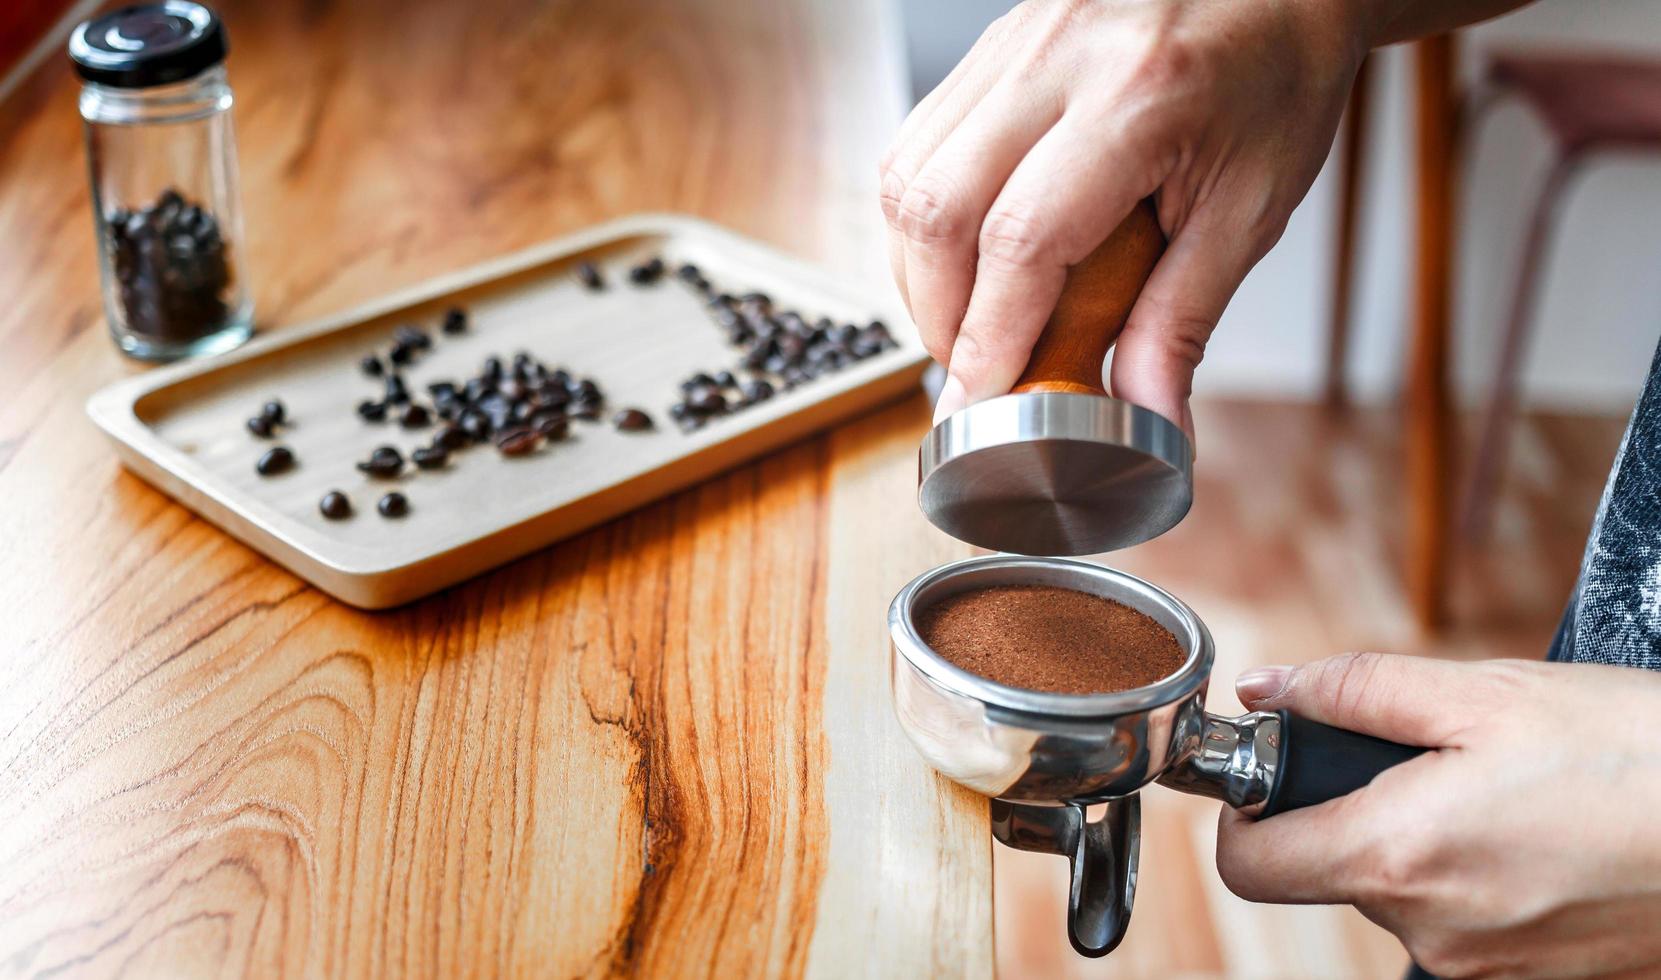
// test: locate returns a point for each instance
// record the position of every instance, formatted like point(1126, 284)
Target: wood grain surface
point(663, 747)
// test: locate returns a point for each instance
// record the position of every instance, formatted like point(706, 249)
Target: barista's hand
point(1061, 118)
point(1527, 845)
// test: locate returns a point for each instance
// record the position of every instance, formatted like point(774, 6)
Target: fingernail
point(1261, 684)
point(953, 396)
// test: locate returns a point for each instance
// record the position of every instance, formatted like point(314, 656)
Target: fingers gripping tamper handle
point(1094, 305)
point(1057, 467)
point(1320, 763)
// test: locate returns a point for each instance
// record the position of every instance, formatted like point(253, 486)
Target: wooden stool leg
point(1351, 161)
point(1476, 512)
point(1426, 436)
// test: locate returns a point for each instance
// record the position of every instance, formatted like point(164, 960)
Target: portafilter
point(1045, 757)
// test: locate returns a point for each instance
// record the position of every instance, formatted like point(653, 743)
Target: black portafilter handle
point(1320, 763)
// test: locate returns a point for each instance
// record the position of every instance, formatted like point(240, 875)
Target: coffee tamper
point(1057, 467)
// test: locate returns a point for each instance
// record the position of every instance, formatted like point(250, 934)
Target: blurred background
point(1297, 545)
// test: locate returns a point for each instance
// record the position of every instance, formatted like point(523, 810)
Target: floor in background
point(1292, 553)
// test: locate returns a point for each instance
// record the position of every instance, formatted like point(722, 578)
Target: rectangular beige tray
point(182, 427)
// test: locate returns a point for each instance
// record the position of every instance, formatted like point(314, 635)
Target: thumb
point(1165, 336)
point(1412, 700)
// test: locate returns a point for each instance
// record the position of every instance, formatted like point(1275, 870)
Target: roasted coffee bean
point(477, 388)
point(393, 504)
point(587, 411)
point(412, 337)
point(589, 275)
point(278, 459)
point(726, 379)
point(396, 393)
point(706, 400)
point(689, 272)
point(755, 359)
point(441, 390)
point(476, 424)
point(522, 412)
point(512, 389)
point(517, 442)
point(862, 348)
point(726, 318)
point(451, 437)
point(385, 461)
point(371, 411)
point(455, 320)
point(792, 347)
point(758, 390)
point(586, 391)
point(756, 299)
point(631, 420)
point(560, 377)
point(551, 396)
point(372, 366)
point(492, 370)
point(680, 410)
point(793, 377)
point(690, 423)
point(400, 355)
point(260, 426)
point(550, 426)
point(496, 408)
point(699, 380)
point(274, 412)
point(415, 417)
point(647, 272)
point(335, 505)
point(430, 457)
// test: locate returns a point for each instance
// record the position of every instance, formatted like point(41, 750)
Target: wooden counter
point(665, 746)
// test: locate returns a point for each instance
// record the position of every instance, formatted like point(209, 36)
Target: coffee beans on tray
point(521, 404)
point(778, 347)
point(172, 271)
point(1045, 638)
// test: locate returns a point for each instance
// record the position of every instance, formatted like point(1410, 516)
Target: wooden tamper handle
point(1094, 304)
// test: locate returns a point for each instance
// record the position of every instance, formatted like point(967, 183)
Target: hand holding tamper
point(1057, 467)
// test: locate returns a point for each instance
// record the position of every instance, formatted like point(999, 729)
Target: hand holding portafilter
point(1057, 467)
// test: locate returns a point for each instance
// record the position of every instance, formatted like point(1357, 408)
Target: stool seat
point(1588, 99)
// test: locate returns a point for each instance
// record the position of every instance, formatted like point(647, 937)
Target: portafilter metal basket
point(1044, 758)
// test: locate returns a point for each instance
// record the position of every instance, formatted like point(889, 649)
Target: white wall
point(1600, 312)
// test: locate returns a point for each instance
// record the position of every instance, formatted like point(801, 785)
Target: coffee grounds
point(1044, 638)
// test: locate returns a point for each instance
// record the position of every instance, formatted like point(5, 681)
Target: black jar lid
point(149, 44)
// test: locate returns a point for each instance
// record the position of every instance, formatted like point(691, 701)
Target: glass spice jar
point(162, 158)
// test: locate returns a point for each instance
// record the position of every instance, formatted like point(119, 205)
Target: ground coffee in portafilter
point(1045, 638)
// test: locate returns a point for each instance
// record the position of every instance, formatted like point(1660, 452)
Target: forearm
point(1389, 21)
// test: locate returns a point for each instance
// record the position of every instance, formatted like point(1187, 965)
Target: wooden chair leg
point(1351, 160)
point(1476, 511)
point(1425, 432)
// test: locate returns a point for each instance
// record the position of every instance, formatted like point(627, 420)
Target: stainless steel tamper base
point(1055, 473)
